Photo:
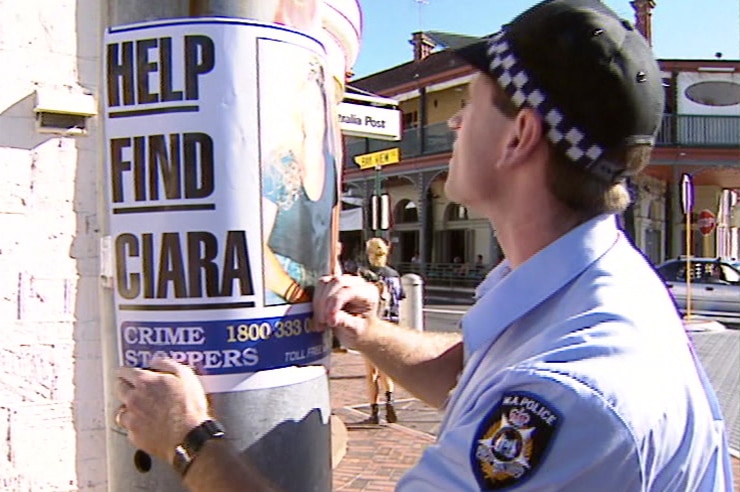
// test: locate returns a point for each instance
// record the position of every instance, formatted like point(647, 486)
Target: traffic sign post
point(379, 203)
point(380, 212)
point(687, 204)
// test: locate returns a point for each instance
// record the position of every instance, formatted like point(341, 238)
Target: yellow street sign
point(377, 159)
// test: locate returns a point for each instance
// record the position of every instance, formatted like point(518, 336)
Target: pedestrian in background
point(573, 372)
point(390, 294)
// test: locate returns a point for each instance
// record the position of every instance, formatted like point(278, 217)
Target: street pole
point(687, 204)
point(376, 231)
point(688, 265)
point(275, 407)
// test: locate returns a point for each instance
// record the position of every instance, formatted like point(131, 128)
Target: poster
point(222, 181)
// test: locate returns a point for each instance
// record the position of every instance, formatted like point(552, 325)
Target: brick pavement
point(377, 456)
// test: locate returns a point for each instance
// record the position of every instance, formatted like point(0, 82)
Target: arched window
point(455, 212)
point(406, 212)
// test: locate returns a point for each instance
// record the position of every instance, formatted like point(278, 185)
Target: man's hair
point(583, 192)
point(575, 186)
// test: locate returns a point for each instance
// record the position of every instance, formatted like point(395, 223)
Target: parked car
point(715, 287)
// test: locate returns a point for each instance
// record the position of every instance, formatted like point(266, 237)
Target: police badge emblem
point(512, 440)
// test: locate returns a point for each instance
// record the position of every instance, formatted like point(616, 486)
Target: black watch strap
point(186, 452)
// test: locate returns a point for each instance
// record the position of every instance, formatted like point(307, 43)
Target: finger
point(122, 388)
point(171, 366)
point(125, 420)
point(345, 298)
point(323, 291)
point(347, 320)
point(334, 293)
point(326, 279)
point(131, 374)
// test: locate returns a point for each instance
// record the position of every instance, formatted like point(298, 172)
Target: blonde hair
point(575, 186)
point(376, 246)
point(376, 249)
point(583, 192)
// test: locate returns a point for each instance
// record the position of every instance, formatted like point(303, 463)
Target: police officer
point(577, 373)
point(574, 371)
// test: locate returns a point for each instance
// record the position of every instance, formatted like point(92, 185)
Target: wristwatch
point(187, 451)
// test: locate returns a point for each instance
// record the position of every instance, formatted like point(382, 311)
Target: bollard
point(412, 307)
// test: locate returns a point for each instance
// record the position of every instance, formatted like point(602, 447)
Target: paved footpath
point(378, 455)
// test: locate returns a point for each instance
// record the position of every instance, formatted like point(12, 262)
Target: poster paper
point(222, 178)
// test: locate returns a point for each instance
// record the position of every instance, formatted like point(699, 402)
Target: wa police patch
point(512, 440)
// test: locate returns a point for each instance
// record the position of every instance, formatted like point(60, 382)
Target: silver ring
point(117, 418)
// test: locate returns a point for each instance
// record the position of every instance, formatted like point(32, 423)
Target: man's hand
point(160, 406)
point(347, 304)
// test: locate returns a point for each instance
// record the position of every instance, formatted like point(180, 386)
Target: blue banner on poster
point(225, 347)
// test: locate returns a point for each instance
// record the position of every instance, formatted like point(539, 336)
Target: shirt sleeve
point(532, 432)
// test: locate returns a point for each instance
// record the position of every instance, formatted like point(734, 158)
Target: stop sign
point(706, 222)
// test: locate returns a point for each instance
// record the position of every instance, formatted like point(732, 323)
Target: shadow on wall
point(17, 126)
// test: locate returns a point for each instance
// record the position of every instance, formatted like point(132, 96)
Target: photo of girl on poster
point(299, 175)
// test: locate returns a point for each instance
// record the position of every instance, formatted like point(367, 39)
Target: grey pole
point(283, 429)
point(411, 308)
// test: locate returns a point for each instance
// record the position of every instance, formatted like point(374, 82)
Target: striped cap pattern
point(570, 140)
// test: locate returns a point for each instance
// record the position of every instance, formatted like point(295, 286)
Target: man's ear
point(526, 134)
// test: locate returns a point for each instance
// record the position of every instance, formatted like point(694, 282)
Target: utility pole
point(189, 118)
point(378, 206)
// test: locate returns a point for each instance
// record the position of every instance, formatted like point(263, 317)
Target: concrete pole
point(412, 307)
point(282, 428)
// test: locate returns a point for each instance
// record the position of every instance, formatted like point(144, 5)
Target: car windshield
point(703, 271)
point(732, 275)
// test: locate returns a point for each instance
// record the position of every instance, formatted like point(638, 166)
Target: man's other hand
point(160, 405)
point(346, 304)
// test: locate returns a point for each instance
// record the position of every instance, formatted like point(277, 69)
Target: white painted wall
point(51, 389)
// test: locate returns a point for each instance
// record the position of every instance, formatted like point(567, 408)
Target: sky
point(682, 29)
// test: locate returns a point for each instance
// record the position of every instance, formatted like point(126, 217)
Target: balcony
point(675, 130)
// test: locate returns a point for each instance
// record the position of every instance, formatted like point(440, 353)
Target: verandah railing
point(676, 130)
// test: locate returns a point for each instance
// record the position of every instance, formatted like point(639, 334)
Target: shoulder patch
point(512, 440)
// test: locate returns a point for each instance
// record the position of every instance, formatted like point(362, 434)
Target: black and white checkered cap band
point(567, 137)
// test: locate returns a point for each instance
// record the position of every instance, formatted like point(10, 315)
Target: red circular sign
point(707, 222)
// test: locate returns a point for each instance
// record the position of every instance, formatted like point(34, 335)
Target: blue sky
point(682, 29)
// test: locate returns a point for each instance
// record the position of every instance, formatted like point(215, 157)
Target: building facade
point(51, 385)
point(699, 136)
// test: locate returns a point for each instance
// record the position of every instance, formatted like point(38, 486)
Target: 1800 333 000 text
point(225, 346)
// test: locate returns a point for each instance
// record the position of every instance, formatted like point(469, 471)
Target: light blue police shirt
point(579, 376)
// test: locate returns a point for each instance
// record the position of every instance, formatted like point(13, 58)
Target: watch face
point(186, 452)
point(214, 428)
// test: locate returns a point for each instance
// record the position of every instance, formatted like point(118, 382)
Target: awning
point(351, 220)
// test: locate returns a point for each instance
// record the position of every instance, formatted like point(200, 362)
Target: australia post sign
point(221, 181)
point(370, 117)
